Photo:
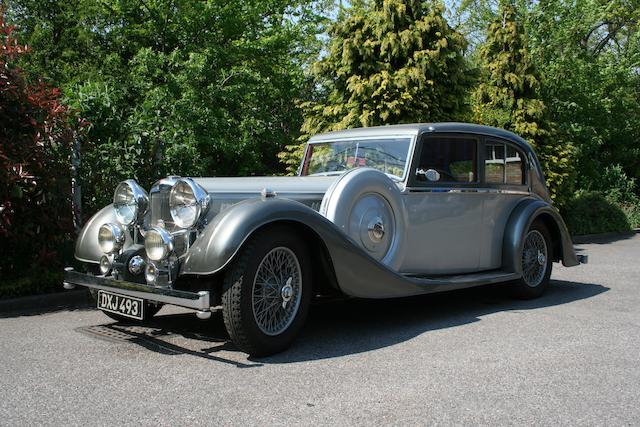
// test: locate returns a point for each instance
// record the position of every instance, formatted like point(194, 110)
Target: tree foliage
point(589, 55)
point(388, 61)
point(36, 131)
point(174, 86)
point(508, 96)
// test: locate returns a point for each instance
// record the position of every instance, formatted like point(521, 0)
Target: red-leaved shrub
point(36, 132)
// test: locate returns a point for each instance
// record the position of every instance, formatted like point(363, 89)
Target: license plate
point(120, 304)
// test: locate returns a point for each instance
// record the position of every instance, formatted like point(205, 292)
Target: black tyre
point(150, 310)
point(267, 292)
point(537, 262)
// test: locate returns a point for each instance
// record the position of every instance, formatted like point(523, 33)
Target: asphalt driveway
point(471, 357)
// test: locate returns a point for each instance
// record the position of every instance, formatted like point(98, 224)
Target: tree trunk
point(76, 189)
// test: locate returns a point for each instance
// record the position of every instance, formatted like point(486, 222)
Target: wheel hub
point(376, 230)
point(286, 292)
point(541, 258)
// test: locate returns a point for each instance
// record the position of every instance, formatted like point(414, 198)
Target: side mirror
point(429, 174)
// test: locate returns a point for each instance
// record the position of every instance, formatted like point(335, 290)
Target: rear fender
point(521, 218)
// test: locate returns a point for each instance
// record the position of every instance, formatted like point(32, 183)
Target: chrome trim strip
point(323, 138)
point(196, 301)
point(464, 190)
point(91, 261)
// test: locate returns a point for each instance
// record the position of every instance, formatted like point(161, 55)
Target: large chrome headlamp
point(111, 237)
point(130, 202)
point(188, 202)
point(158, 243)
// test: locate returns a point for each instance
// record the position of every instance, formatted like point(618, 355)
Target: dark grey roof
point(418, 128)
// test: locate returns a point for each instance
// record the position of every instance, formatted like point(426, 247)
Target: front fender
point(224, 236)
point(521, 218)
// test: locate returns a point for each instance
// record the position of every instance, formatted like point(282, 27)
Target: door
point(444, 206)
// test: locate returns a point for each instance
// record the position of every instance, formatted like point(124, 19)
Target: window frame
point(423, 139)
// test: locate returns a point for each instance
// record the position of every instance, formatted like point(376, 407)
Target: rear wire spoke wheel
point(534, 258)
point(267, 291)
point(536, 262)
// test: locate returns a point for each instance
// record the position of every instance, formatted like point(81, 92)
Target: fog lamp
point(105, 265)
point(151, 273)
point(111, 237)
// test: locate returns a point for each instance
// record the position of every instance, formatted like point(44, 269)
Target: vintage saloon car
point(377, 212)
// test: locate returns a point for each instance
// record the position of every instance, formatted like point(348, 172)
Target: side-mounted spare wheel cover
point(366, 204)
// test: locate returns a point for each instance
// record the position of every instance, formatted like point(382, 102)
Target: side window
point(515, 167)
point(448, 159)
point(494, 162)
point(503, 164)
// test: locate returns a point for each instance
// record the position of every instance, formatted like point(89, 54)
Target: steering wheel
point(448, 174)
point(440, 172)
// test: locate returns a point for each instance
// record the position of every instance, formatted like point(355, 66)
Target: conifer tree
point(388, 62)
point(508, 97)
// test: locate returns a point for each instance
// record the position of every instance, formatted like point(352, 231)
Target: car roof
point(418, 128)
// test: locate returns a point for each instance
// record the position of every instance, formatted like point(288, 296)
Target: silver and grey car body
point(371, 234)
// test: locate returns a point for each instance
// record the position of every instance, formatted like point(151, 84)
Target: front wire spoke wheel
point(267, 290)
point(274, 310)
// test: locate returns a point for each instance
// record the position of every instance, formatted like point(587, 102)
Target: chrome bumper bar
point(196, 301)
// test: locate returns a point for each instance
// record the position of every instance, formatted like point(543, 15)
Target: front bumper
point(193, 300)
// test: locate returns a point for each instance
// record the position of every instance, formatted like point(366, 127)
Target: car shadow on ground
point(338, 328)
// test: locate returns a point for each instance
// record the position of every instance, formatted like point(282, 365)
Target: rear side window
point(454, 160)
point(515, 166)
point(503, 164)
point(494, 162)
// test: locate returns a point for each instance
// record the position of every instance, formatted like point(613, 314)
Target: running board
point(461, 281)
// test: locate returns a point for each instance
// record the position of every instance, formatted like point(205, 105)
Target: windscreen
point(388, 155)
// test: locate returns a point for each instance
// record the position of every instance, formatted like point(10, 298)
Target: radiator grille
point(159, 202)
point(160, 209)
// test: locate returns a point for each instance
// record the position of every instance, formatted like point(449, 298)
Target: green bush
point(592, 212)
point(632, 211)
point(39, 283)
